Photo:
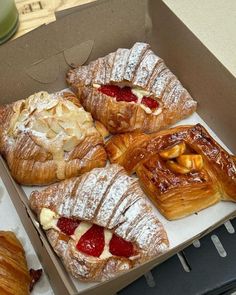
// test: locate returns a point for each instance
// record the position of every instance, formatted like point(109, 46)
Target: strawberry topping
point(126, 94)
point(110, 90)
point(120, 247)
point(121, 94)
point(149, 102)
point(67, 225)
point(92, 242)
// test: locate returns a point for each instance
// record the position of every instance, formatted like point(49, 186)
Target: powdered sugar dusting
point(109, 197)
point(145, 69)
point(104, 179)
point(109, 60)
point(118, 217)
point(115, 193)
point(134, 59)
point(117, 74)
point(83, 192)
point(100, 75)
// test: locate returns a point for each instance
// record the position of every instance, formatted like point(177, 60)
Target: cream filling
point(48, 219)
point(140, 93)
point(81, 229)
point(106, 253)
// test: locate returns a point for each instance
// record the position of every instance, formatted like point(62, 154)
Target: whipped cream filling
point(48, 219)
point(140, 93)
point(81, 230)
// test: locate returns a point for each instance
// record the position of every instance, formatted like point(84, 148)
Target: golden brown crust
point(171, 191)
point(14, 278)
point(32, 163)
point(138, 68)
point(111, 199)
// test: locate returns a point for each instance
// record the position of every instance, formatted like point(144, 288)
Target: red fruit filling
point(67, 225)
point(125, 94)
point(121, 94)
point(120, 247)
point(92, 242)
point(149, 102)
point(110, 90)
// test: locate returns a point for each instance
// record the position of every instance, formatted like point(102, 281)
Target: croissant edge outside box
point(39, 61)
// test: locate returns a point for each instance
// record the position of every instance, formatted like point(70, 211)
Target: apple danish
point(131, 89)
point(183, 170)
point(99, 224)
point(49, 137)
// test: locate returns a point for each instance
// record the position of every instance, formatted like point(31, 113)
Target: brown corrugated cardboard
point(39, 61)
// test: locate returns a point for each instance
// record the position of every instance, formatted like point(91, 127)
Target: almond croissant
point(99, 224)
point(183, 170)
point(131, 89)
point(49, 137)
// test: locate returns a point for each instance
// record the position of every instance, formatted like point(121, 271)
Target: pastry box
point(40, 59)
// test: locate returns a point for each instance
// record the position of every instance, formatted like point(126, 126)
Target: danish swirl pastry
point(49, 137)
point(183, 170)
point(131, 89)
point(99, 224)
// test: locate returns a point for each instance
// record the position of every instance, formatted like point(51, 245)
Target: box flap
point(39, 60)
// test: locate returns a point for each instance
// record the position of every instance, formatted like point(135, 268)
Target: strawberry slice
point(126, 95)
point(121, 94)
point(110, 90)
point(67, 225)
point(120, 247)
point(149, 102)
point(92, 242)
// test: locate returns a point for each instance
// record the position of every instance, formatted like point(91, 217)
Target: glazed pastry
point(131, 89)
point(14, 275)
point(99, 224)
point(49, 137)
point(183, 170)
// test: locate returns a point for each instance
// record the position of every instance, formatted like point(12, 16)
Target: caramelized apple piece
point(175, 167)
point(174, 151)
point(192, 162)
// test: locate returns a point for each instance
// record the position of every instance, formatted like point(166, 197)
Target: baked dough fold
point(147, 75)
point(49, 137)
point(183, 170)
point(111, 199)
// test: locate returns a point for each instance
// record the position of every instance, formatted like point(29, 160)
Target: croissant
point(49, 137)
point(183, 170)
point(14, 275)
point(99, 224)
point(131, 89)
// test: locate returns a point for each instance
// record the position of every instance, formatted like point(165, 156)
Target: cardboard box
point(39, 60)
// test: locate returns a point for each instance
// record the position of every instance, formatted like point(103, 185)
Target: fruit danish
point(49, 137)
point(15, 279)
point(131, 89)
point(99, 224)
point(183, 170)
